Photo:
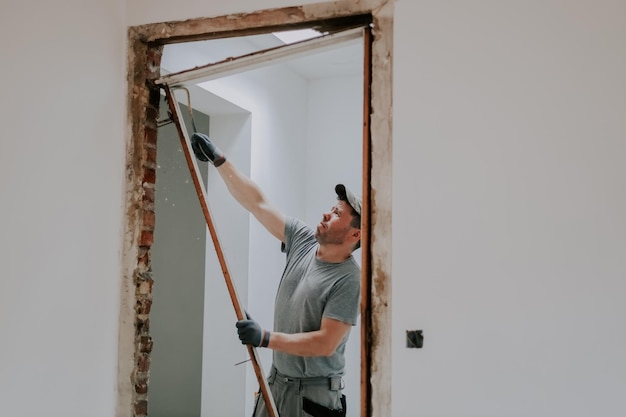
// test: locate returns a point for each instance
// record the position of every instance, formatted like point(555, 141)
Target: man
point(317, 300)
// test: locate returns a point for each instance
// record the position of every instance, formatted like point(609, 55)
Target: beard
point(327, 237)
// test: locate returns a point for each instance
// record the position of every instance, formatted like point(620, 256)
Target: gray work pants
point(288, 394)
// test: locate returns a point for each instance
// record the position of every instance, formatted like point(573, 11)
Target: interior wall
point(334, 133)
point(508, 204)
point(63, 126)
point(223, 382)
point(146, 11)
point(178, 263)
point(509, 226)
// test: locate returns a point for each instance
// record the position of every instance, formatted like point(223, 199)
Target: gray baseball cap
point(347, 195)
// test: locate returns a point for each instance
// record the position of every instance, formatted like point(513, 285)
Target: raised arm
point(243, 189)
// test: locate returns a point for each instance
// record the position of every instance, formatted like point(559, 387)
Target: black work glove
point(206, 150)
point(251, 333)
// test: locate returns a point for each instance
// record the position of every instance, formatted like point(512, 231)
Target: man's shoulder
point(296, 227)
point(298, 235)
point(353, 268)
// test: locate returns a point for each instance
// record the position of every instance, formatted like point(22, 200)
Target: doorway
point(145, 58)
point(296, 130)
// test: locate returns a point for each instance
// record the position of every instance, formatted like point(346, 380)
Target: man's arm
point(250, 196)
point(242, 188)
point(322, 342)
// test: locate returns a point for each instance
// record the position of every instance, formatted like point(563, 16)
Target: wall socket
point(414, 339)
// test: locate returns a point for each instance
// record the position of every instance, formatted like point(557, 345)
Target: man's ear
point(356, 235)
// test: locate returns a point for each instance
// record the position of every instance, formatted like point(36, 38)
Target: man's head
point(343, 222)
point(344, 194)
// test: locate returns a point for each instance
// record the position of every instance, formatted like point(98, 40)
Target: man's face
point(335, 225)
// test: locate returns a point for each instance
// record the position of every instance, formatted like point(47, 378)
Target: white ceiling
point(345, 59)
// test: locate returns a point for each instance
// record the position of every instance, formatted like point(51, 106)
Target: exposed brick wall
point(142, 278)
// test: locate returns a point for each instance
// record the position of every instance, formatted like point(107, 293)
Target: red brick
point(149, 176)
point(151, 155)
point(145, 344)
point(141, 388)
point(141, 408)
point(147, 237)
point(143, 306)
point(151, 135)
point(148, 195)
point(148, 220)
point(143, 363)
point(142, 325)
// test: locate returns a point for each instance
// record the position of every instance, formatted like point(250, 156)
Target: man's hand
point(250, 333)
point(206, 150)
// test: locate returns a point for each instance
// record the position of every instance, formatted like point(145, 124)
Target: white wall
point(178, 265)
point(147, 11)
point(63, 123)
point(508, 226)
point(223, 384)
point(509, 208)
point(335, 133)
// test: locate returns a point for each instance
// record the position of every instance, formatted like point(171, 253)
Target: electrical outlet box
point(414, 339)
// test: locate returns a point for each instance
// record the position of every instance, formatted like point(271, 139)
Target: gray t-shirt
point(309, 290)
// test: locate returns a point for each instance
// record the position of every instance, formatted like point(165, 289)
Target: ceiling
point(343, 60)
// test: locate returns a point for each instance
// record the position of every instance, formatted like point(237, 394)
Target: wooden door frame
point(145, 48)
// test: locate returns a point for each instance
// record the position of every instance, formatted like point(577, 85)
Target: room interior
point(192, 368)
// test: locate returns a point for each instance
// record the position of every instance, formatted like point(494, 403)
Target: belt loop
point(335, 383)
point(272, 376)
